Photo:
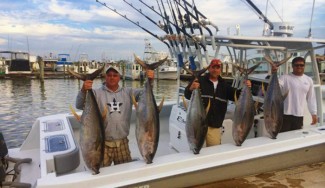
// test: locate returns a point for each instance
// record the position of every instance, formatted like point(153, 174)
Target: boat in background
point(84, 65)
point(168, 70)
point(132, 71)
point(64, 63)
point(16, 62)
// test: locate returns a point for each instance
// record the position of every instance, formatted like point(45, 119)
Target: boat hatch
point(53, 125)
point(56, 143)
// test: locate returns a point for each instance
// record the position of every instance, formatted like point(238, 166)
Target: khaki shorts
point(213, 136)
point(117, 151)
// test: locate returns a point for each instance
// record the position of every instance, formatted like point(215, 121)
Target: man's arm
point(191, 86)
point(311, 102)
point(81, 97)
point(80, 100)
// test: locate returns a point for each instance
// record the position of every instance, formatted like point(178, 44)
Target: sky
point(41, 27)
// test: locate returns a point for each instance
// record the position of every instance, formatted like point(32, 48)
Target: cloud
point(65, 25)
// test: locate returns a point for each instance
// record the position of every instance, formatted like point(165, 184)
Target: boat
point(132, 71)
point(64, 63)
point(168, 70)
point(52, 143)
point(84, 65)
point(16, 61)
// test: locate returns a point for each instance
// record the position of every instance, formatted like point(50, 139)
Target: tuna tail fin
point(95, 74)
point(146, 66)
point(77, 75)
point(250, 70)
point(269, 60)
point(74, 113)
point(153, 66)
point(208, 107)
point(184, 102)
point(140, 62)
point(161, 104)
point(196, 74)
point(84, 77)
point(134, 102)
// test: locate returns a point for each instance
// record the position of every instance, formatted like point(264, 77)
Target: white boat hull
point(177, 168)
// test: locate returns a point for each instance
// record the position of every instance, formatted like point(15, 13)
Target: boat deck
point(312, 175)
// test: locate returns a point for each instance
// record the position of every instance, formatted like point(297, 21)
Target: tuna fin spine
point(134, 102)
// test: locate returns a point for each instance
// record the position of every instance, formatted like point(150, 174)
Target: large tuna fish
point(92, 134)
point(196, 124)
point(244, 111)
point(273, 102)
point(147, 117)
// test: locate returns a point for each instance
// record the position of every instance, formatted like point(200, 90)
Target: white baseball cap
point(113, 68)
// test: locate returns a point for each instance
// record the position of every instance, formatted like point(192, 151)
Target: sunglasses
point(299, 65)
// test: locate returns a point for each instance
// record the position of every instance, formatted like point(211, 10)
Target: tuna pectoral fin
point(134, 102)
point(208, 107)
point(184, 102)
point(74, 113)
point(263, 89)
point(161, 104)
point(104, 113)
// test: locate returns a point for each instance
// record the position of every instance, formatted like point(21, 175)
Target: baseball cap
point(215, 62)
point(110, 67)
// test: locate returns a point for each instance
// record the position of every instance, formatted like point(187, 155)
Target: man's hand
point(248, 83)
point(314, 119)
point(87, 85)
point(195, 84)
point(150, 74)
point(274, 69)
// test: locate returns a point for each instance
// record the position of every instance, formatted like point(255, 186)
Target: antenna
point(311, 19)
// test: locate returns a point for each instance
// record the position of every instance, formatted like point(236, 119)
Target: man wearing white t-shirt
point(300, 89)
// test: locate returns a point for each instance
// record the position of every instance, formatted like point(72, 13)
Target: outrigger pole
point(137, 24)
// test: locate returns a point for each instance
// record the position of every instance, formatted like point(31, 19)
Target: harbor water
point(24, 100)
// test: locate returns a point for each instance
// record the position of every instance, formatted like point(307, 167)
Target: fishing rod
point(201, 38)
point(135, 23)
point(203, 22)
point(170, 22)
point(183, 42)
point(205, 19)
point(191, 58)
point(179, 55)
point(158, 25)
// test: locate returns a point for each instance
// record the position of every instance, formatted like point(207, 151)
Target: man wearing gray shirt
point(118, 103)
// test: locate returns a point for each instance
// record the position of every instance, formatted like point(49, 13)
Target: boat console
point(59, 152)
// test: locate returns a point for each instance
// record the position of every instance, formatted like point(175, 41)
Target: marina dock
point(35, 75)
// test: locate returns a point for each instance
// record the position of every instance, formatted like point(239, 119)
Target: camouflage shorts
point(117, 151)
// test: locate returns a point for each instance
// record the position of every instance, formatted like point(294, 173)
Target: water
point(23, 100)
